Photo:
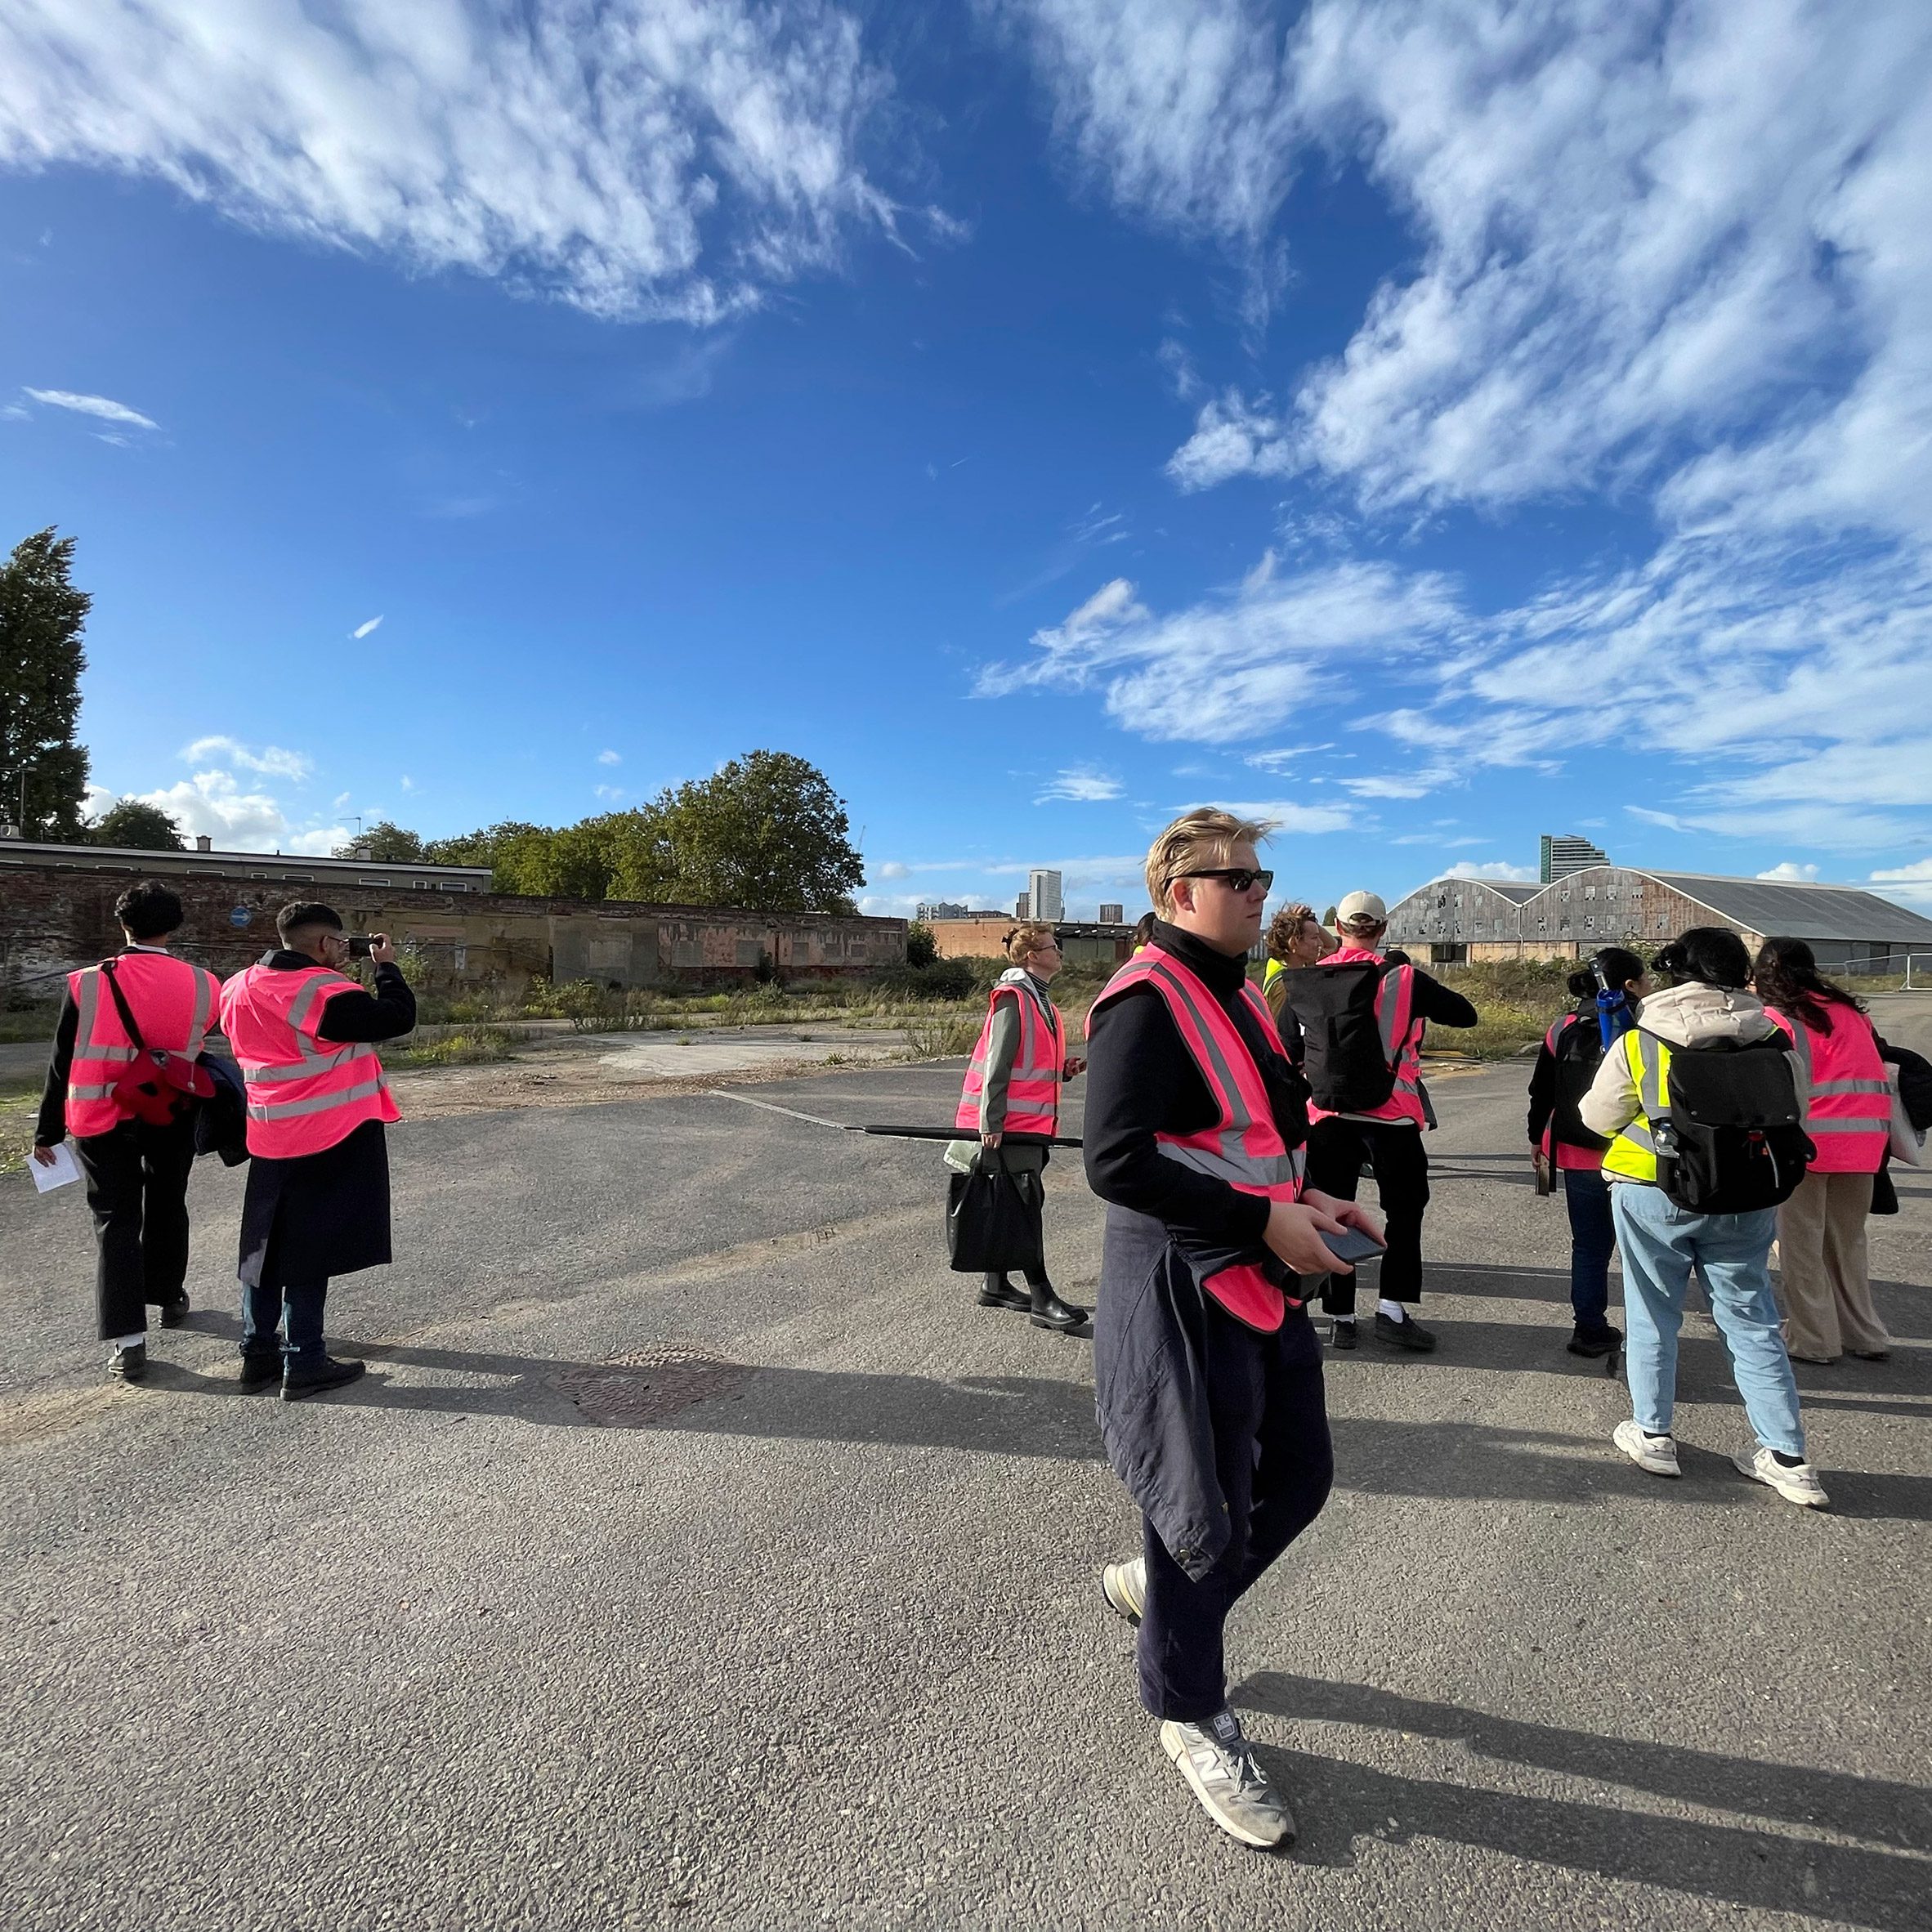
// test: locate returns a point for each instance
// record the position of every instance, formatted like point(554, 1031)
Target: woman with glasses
point(1011, 1102)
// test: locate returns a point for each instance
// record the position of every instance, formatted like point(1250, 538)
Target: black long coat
point(319, 1215)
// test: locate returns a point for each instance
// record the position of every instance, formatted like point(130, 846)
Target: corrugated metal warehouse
point(1452, 919)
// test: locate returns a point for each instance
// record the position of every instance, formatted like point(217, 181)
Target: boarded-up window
point(687, 952)
point(749, 952)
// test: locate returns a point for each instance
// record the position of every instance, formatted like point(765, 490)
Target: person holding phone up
point(317, 1204)
point(1207, 1371)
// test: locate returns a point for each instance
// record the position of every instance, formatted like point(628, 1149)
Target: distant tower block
point(1566, 854)
point(1042, 892)
point(1023, 906)
point(1111, 914)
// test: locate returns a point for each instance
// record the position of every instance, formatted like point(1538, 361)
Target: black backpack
point(1734, 1140)
point(1579, 1054)
point(1344, 1063)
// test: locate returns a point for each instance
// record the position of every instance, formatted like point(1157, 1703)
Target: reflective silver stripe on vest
point(1852, 1087)
point(107, 1053)
point(90, 1093)
point(1651, 1094)
point(321, 1103)
point(1639, 1134)
point(310, 1064)
point(205, 1008)
point(1874, 1126)
point(1233, 1162)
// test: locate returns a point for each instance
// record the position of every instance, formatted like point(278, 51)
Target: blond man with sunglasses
point(1208, 1371)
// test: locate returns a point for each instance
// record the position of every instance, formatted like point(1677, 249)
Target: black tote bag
point(993, 1220)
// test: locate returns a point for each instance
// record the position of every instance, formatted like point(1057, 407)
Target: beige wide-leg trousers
point(1827, 1284)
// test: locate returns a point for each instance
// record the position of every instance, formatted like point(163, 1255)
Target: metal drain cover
point(634, 1391)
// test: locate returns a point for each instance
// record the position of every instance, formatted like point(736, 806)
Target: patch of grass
point(29, 1023)
point(19, 1105)
point(475, 1047)
point(943, 1036)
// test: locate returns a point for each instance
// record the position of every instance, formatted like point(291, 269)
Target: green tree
point(766, 831)
point(138, 826)
point(42, 618)
point(384, 844)
point(922, 945)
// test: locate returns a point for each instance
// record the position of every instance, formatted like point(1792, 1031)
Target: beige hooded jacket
point(1691, 1015)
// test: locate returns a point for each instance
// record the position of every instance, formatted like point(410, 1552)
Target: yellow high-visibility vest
point(1633, 1154)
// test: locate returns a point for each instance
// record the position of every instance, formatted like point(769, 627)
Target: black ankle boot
point(1050, 1311)
point(1000, 1293)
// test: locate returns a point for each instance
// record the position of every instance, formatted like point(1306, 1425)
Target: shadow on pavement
point(1043, 1416)
point(1338, 1802)
point(1868, 1808)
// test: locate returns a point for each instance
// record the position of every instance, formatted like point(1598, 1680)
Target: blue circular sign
point(240, 916)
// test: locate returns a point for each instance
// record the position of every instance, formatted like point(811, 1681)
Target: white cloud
point(102, 406)
point(1290, 815)
point(644, 159)
point(1238, 665)
point(1177, 109)
point(213, 804)
point(271, 761)
point(407, 782)
point(609, 757)
point(1232, 438)
point(362, 630)
point(1789, 872)
point(892, 869)
point(1494, 869)
point(610, 793)
point(1080, 785)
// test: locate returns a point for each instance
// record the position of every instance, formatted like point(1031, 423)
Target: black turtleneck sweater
point(1141, 1080)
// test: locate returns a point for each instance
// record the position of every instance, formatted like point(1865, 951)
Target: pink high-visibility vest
point(1567, 1157)
point(304, 1093)
point(1402, 1028)
point(1848, 1115)
point(1243, 1146)
point(173, 1002)
point(1033, 1087)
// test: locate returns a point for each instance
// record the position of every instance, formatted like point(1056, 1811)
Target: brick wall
point(54, 918)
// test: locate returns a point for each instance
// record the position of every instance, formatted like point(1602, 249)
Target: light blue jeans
point(1662, 1243)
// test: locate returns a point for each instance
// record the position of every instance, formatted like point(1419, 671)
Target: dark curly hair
point(1786, 976)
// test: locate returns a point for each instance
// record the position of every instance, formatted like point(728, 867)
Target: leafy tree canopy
point(384, 843)
point(142, 827)
point(766, 831)
point(42, 618)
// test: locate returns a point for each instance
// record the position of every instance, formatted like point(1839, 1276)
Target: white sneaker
point(1219, 1763)
point(1658, 1454)
point(1800, 1485)
point(1124, 1586)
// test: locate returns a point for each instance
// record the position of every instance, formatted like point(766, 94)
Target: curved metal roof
point(1781, 908)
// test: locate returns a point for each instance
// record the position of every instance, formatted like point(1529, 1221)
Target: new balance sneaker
point(1124, 1586)
point(1796, 1483)
point(1658, 1454)
point(1218, 1762)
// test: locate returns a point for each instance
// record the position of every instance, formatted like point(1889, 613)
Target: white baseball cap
point(1365, 907)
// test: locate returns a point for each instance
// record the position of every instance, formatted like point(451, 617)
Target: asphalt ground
point(824, 1645)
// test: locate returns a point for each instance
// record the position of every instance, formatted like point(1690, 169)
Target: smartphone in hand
point(1353, 1245)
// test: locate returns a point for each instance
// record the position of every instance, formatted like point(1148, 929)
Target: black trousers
point(1336, 1151)
point(137, 1187)
point(1275, 1464)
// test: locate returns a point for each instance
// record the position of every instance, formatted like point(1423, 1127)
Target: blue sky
point(1427, 425)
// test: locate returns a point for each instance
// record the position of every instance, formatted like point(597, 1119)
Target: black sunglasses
point(1239, 878)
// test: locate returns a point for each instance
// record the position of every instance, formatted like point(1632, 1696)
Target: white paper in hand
point(64, 1169)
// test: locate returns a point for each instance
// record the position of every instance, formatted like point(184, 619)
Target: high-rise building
point(1111, 914)
point(1567, 854)
point(941, 909)
point(1042, 892)
point(1023, 906)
